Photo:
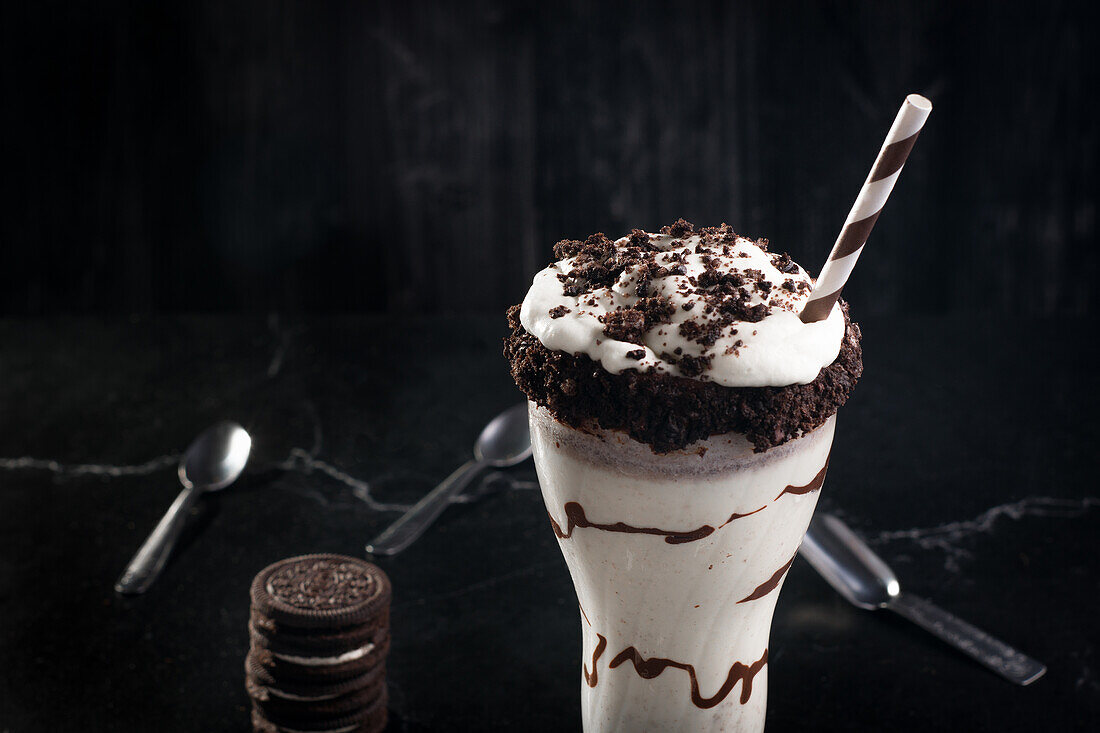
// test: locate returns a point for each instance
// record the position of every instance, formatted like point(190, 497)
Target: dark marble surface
point(969, 460)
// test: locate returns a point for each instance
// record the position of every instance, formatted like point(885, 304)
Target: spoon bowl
point(506, 440)
point(848, 564)
point(216, 458)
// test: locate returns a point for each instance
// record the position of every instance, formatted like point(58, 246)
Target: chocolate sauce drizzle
point(735, 515)
point(575, 518)
point(650, 668)
point(770, 584)
point(814, 484)
point(592, 677)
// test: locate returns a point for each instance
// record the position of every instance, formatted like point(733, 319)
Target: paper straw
point(876, 189)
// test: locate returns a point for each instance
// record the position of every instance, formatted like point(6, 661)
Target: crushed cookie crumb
point(679, 228)
point(625, 325)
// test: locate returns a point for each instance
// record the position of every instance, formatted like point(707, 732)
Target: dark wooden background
point(375, 156)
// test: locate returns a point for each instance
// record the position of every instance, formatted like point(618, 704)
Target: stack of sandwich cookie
point(320, 633)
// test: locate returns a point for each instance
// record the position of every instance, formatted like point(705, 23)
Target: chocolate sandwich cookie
point(287, 711)
point(329, 646)
point(321, 668)
point(280, 637)
point(319, 632)
point(262, 685)
point(370, 719)
point(320, 592)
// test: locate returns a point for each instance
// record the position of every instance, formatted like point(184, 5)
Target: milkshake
point(682, 417)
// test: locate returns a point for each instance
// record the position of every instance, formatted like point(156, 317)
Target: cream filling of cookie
point(326, 661)
point(302, 698)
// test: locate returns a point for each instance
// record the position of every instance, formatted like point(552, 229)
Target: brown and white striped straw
point(876, 189)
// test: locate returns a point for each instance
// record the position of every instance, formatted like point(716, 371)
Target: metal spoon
point(212, 462)
point(505, 441)
point(866, 581)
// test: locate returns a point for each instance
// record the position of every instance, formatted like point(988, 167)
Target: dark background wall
point(370, 156)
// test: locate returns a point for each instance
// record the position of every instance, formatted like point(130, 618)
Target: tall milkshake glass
point(677, 562)
point(682, 416)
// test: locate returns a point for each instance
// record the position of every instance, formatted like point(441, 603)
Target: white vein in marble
point(303, 462)
point(27, 463)
point(947, 537)
point(282, 343)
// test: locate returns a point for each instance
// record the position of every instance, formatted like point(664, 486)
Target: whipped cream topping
point(326, 661)
point(708, 305)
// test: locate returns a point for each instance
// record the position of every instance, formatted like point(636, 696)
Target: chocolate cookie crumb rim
point(669, 412)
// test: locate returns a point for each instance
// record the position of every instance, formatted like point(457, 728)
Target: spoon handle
point(150, 559)
point(414, 522)
point(1010, 663)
